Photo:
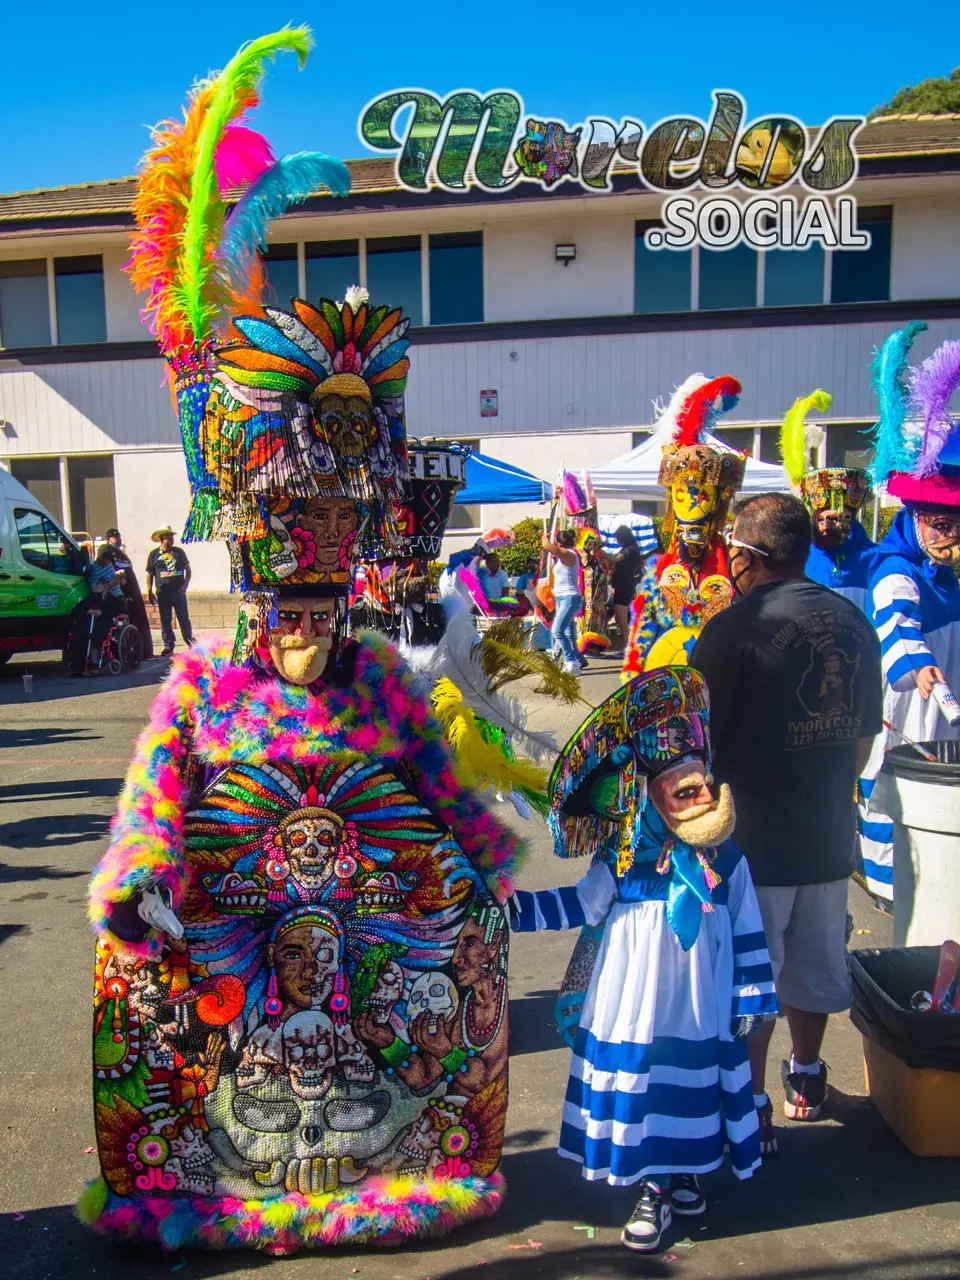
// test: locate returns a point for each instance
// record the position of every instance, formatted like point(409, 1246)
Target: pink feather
point(242, 155)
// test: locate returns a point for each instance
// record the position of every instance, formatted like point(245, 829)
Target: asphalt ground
point(843, 1198)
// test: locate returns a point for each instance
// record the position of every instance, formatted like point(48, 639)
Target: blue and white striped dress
point(915, 607)
point(657, 1083)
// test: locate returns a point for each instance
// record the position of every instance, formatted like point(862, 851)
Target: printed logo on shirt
point(829, 645)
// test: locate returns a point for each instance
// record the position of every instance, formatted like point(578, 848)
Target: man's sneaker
point(804, 1093)
point(650, 1218)
point(573, 668)
point(165, 653)
point(768, 1134)
point(686, 1198)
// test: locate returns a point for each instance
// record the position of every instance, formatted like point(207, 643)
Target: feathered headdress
point(896, 447)
point(694, 408)
point(931, 386)
point(797, 438)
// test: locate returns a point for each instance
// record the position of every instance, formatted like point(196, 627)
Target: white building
point(575, 353)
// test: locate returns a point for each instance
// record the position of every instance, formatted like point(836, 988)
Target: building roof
point(890, 138)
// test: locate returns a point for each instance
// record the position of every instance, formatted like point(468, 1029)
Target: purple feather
point(931, 386)
point(574, 498)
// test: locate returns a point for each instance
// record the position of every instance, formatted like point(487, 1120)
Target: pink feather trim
point(242, 155)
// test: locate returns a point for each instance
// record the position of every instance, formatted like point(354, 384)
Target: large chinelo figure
point(690, 582)
point(841, 556)
point(300, 1011)
point(914, 598)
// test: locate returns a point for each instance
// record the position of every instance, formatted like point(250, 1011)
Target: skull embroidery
point(352, 1059)
point(387, 992)
point(261, 1058)
point(309, 1053)
point(190, 1153)
point(282, 554)
point(310, 841)
point(420, 1145)
point(432, 993)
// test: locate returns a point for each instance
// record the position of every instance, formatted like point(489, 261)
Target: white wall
point(123, 305)
point(926, 250)
point(152, 490)
point(524, 281)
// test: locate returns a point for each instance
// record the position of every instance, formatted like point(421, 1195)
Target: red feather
point(700, 408)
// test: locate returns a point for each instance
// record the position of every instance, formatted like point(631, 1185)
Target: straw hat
point(163, 532)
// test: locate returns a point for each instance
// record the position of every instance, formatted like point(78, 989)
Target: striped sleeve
point(570, 907)
point(895, 601)
point(753, 989)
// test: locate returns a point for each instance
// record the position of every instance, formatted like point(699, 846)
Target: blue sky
point(82, 82)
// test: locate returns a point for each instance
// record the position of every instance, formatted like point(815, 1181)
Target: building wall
point(122, 304)
point(926, 249)
point(524, 281)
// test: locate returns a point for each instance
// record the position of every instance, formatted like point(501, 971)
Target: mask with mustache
point(704, 826)
point(298, 660)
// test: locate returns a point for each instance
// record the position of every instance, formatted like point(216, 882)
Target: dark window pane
point(393, 274)
point(41, 476)
point(24, 304)
point(283, 276)
point(662, 276)
point(793, 277)
point(466, 516)
point(770, 445)
point(332, 267)
point(740, 438)
point(456, 278)
point(81, 307)
point(728, 278)
point(848, 446)
point(863, 275)
point(93, 499)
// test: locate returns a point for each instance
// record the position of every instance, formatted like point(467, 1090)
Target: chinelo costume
point(659, 1079)
point(690, 582)
point(914, 595)
point(300, 1011)
point(841, 559)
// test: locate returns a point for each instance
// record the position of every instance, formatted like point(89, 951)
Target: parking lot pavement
point(842, 1199)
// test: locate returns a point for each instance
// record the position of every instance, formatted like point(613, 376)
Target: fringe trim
point(383, 1211)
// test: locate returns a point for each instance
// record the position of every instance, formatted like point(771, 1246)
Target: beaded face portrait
point(336, 1010)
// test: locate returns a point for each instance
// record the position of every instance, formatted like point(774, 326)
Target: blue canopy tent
point(490, 480)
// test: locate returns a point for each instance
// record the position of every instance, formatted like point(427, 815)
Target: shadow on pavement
point(53, 831)
point(51, 682)
point(8, 931)
point(10, 874)
point(77, 789)
point(47, 736)
point(532, 1024)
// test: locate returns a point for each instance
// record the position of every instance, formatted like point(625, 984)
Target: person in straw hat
point(168, 577)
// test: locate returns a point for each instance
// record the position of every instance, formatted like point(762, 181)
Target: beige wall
point(926, 250)
point(123, 305)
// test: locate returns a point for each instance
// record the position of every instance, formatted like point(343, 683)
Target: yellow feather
point(481, 764)
point(792, 438)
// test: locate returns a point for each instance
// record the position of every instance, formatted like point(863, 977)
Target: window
point(662, 276)
point(393, 274)
point(863, 275)
point(848, 446)
point(93, 499)
point(81, 308)
point(728, 278)
point(42, 544)
point(332, 267)
point(793, 277)
point(466, 516)
point(41, 476)
point(770, 445)
point(24, 304)
point(283, 275)
point(456, 278)
point(740, 438)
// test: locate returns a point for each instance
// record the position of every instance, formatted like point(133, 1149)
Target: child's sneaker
point(650, 1218)
point(768, 1134)
point(804, 1092)
point(686, 1198)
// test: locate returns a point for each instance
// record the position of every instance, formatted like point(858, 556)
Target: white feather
point(666, 426)
point(813, 436)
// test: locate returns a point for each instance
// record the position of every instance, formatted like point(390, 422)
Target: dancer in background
point(565, 577)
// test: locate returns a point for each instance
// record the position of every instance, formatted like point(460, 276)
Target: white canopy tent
point(634, 474)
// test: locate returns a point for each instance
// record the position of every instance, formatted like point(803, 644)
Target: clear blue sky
point(82, 82)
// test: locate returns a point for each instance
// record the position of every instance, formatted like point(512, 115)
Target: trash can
point(911, 1060)
point(923, 799)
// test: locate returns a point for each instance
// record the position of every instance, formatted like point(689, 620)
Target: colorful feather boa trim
point(384, 1211)
point(217, 713)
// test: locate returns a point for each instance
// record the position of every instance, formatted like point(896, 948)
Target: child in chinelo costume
point(660, 1079)
point(300, 1011)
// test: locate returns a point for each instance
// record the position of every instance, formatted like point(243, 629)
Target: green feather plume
point(234, 90)
point(793, 447)
point(507, 654)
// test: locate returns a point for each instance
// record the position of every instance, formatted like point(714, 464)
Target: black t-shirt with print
point(793, 671)
point(169, 568)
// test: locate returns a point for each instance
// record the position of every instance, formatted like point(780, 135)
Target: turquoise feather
point(292, 179)
point(890, 365)
point(266, 337)
point(388, 356)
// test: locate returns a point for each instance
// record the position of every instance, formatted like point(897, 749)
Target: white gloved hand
point(159, 913)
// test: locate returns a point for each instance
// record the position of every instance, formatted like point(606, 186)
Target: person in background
point(793, 671)
point(627, 571)
point(493, 578)
point(169, 568)
point(569, 598)
point(526, 583)
point(104, 603)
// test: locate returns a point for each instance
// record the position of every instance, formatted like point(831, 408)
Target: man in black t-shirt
point(169, 568)
point(793, 672)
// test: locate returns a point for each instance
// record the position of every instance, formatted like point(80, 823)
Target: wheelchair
point(121, 651)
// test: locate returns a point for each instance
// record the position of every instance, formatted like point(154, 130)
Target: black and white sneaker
point(650, 1218)
point(686, 1198)
point(804, 1092)
point(768, 1134)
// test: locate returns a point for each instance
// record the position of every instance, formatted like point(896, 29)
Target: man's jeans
point(564, 629)
point(170, 603)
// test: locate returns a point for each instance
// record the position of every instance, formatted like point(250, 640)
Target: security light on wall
point(566, 253)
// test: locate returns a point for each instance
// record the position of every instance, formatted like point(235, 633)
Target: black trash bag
point(883, 982)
